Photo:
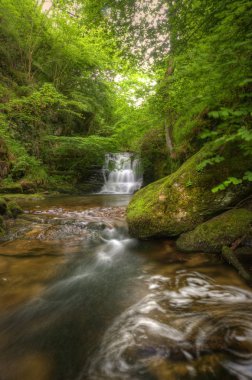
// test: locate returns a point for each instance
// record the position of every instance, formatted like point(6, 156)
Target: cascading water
point(122, 174)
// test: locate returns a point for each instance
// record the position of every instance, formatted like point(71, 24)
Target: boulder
point(179, 202)
point(222, 230)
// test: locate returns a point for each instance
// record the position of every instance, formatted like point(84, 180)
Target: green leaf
point(210, 161)
point(248, 176)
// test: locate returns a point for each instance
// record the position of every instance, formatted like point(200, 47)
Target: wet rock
point(96, 226)
point(181, 201)
point(63, 232)
point(217, 232)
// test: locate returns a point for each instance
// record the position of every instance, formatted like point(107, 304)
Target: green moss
point(10, 187)
point(170, 207)
point(13, 209)
point(217, 232)
point(22, 196)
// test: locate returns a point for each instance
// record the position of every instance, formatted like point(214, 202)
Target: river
point(80, 299)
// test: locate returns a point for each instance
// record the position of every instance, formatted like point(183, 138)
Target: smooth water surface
point(82, 300)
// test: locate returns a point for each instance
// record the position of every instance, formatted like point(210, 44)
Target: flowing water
point(80, 300)
point(122, 174)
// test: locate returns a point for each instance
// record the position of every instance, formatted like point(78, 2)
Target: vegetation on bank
point(52, 86)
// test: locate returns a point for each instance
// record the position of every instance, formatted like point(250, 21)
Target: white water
point(122, 174)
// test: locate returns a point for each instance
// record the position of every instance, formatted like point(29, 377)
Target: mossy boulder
point(217, 232)
point(179, 202)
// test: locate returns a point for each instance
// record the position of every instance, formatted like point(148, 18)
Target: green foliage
point(209, 161)
point(13, 209)
point(55, 80)
point(23, 165)
point(58, 51)
point(77, 156)
point(189, 183)
point(214, 63)
point(248, 176)
point(225, 184)
point(137, 25)
point(233, 181)
point(204, 85)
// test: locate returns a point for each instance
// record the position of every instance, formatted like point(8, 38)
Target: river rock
point(217, 232)
point(179, 202)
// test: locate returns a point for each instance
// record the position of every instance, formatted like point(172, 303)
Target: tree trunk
point(168, 139)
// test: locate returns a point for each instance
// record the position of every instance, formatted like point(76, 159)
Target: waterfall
point(122, 174)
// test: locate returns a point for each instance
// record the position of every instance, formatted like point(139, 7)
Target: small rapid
point(122, 174)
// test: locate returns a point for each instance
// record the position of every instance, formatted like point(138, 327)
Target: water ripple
point(181, 320)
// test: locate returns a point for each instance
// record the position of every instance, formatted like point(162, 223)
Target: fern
point(210, 161)
point(233, 181)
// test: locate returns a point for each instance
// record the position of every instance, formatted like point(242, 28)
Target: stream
point(80, 300)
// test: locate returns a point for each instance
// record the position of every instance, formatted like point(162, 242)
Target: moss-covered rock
point(13, 209)
point(181, 201)
point(217, 232)
point(3, 206)
point(11, 188)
